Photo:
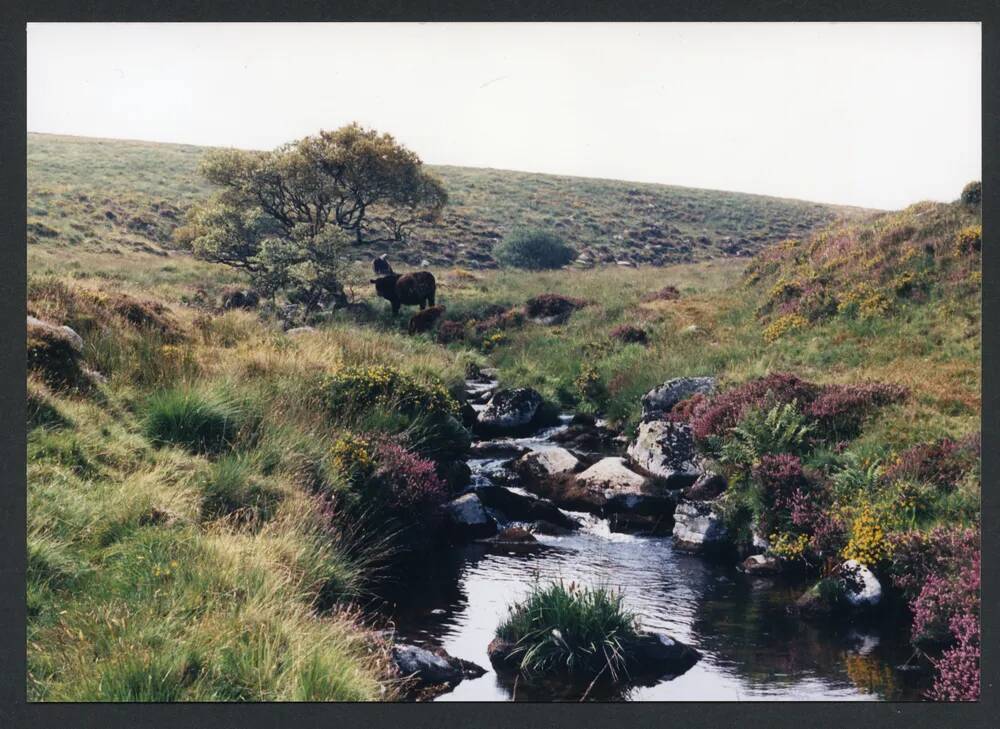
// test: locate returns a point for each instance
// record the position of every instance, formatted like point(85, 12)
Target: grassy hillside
point(112, 194)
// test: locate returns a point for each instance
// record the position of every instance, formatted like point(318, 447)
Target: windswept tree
point(287, 216)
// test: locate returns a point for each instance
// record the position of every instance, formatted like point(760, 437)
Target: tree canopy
point(286, 216)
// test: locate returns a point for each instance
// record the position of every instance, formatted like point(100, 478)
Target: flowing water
point(752, 649)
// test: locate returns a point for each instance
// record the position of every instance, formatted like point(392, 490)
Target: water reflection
point(751, 648)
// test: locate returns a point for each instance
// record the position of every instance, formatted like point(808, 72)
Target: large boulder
point(511, 411)
point(617, 488)
point(698, 528)
point(521, 507)
point(666, 449)
point(536, 466)
point(586, 437)
point(852, 587)
point(660, 400)
point(467, 518)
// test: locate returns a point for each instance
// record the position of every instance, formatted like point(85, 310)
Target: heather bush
point(715, 416)
point(629, 334)
point(916, 555)
point(667, 293)
point(945, 595)
point(450, 331)
point(958, 667)
point(942, 463)
point(840, 410)
point(552, 305)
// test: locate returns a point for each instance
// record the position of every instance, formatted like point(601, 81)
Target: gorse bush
point(534, 250)
point(358, 389)
point(199, 422)
point(570, 629)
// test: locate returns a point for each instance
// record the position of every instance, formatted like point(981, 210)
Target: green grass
point(576, 630)
point(199, 422)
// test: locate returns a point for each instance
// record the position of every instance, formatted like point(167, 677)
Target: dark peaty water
point(752, 649)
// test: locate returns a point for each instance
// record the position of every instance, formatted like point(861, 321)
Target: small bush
point(972, 194)
point(358, 389)
point(630, 334)
point(868, 543)
point(575, 630)
point(942, 463)
point(552, 305)
point(450, 331)
point(840, 410)
point(534, 250)
point(199, 422)
point(667, 293)
point(715, 416)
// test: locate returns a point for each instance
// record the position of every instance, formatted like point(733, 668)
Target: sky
point(876, 114)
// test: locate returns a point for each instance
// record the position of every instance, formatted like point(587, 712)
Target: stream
point(752, 649)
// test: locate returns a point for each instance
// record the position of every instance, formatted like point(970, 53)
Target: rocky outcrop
point(511, 412)
point(699, 528)
point(660, 400)
point(587, 437)
point(466, 518)
point(55, 353)
point(666, 449)
point(521, 507)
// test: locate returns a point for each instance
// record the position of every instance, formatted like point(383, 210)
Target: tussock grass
point(570, 629)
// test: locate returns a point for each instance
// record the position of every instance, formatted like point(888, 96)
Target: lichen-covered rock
point(510, 411)
point(299, 331)
point(698, 528)
point(536, 466)
point(660, 400)
point(852, 587)
point(619, 489)
point(467, 518)
point(666, 449)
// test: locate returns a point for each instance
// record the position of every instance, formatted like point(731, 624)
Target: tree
point(287, 215)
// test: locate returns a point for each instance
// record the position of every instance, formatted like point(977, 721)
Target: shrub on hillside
point(355, 390)
point(534, 250)
point(198, 422)
point(781, 429)
point(575, 630)
point(972, 194)
point(552, 306)
point(716, 416)
point(630, 334)
point(667, 293)
point(942, 463)
point(840, 410)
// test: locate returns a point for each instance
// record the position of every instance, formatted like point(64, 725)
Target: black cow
point(409, 288)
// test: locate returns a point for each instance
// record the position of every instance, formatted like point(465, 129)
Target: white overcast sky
point(879, 115)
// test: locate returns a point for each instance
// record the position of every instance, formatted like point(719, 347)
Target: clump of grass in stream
point(571, 629)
